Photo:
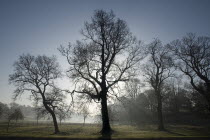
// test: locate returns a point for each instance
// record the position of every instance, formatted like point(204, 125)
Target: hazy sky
point(40, 26)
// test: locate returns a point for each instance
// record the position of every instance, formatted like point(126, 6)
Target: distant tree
point(9, 116)
point(156, 70)
point(85, 113)
point(193, 54)
point(13, 113)
point(176, 96)
point(199, 103)
point(40, 112)
point(133, 90)
point(63, 112)
point(134, 102)
point(18, 115)
point(152, 102)
point(112, 113)
point(108, 55)
point(36, 75)
point(2, 109)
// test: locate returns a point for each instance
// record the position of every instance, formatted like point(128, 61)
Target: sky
point(40, 26)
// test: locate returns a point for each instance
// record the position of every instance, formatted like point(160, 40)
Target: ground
point(91, 131)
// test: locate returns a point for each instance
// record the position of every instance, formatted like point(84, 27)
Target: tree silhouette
point(36, 75)
point(156, 71)
point(193, 54)
point(106, 56)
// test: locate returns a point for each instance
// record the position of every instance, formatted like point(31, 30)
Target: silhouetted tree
point(193, 54)
point(156, 71)
point(107, 56)
point(36, 75)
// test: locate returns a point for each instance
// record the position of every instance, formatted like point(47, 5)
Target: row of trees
point(190, 55)
point(12, 112)
point(180, 105)
point(108, 56)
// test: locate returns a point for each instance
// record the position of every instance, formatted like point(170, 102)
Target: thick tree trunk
point(106, 129)
point(55, 123)
point(54, 118)
point(159, 111)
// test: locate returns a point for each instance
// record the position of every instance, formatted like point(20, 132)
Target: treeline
point(11, 113)
point(14, 112)
point(181, 105)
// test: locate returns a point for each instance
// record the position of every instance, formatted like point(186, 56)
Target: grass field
point(92, 131)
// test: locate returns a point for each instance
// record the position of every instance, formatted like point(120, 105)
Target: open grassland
point(92, 131)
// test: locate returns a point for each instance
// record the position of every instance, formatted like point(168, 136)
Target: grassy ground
point(92, 131)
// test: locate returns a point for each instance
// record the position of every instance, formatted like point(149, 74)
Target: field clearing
point(91, 131)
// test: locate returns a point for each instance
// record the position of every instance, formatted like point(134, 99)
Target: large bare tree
point(107, 55)
point(36, 76)
point(156, 70)
point(193, 54)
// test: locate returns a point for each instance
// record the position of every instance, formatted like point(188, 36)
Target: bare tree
point(106, 56)
point(156, 71)
point(3, 108)
point(9, 116)
point(13, 113)
point(133, 90)
point(36, 75)
point(63, 111)
point(18, 115)
point(85, 112)
point(40, 113)
point(193, 54)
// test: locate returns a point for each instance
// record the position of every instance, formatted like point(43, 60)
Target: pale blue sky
point(40, 26)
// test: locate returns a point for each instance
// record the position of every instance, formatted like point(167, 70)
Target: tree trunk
point(106, 129)
point(37, 121)
point(84, 121)
point(159, 111)
point(208, 101)
point(54, 118)
point(55, 123)
point(8, 125)
point(208, 96)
